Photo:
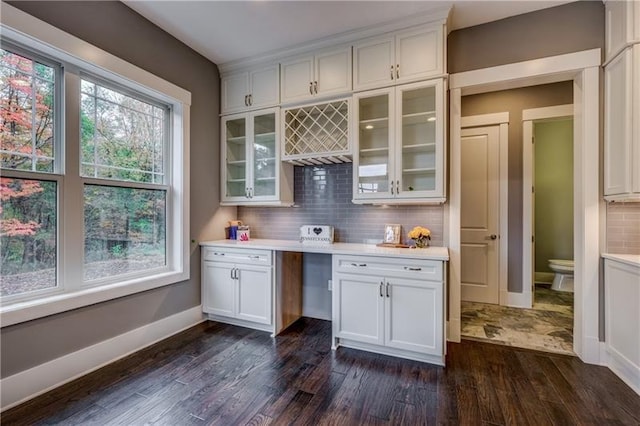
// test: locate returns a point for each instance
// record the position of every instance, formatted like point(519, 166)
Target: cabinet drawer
point(245, 256)
point(389, 267)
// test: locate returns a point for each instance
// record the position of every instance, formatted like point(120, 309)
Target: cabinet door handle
point(398, 187)
point(388, 294)
point(391, 187)
point(231, 273)
point(391, 72)
point(397, 70)
point(381, 284)
point(246, 101)
point(311, 87)
point(408, 268)
point(315, 87)
point(250, 192)
point(250, 100)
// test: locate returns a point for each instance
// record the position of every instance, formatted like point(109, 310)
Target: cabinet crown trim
point(436, 16)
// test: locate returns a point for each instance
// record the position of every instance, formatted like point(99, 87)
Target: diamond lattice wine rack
point(317, 134)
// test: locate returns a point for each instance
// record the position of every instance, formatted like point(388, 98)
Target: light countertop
point(429, 253)
point(629, 259)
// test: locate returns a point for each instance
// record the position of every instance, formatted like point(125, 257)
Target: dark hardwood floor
point(220, 374)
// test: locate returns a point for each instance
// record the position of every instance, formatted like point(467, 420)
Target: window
point(123, 140)
point(83, 145)
point(28, 209)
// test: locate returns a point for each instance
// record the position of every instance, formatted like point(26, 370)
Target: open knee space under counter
point(384, 300)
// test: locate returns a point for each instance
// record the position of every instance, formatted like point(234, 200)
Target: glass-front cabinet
point(252, 172)
point(399, 149)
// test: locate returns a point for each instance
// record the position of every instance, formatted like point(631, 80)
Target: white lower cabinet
point(237, 287)
point(392, 306)
point(622, 317)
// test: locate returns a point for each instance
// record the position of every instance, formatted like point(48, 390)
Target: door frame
point(583, 69)
point(528, 117)
point(500, 119)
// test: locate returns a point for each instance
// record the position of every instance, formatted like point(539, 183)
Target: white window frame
point(80, 56)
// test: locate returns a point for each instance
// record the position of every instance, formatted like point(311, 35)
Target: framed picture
point(391, 234)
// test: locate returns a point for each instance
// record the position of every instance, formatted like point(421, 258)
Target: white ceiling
point(225, 31)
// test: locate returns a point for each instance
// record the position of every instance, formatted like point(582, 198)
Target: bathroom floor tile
point(546, 327)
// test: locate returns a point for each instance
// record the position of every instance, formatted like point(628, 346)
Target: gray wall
point(571, 27)
point(117, 29)
point(554, 192)
point(514, 101)
point(563, 29)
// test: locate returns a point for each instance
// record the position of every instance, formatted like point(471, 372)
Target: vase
point(422, 243)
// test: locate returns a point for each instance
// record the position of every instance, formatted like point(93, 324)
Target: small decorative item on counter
point(233, 229)
point(420, 236)
point(391, 234)
point(316, 234)
point(243, 233)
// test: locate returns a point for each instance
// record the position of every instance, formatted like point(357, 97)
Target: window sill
point(19, 312)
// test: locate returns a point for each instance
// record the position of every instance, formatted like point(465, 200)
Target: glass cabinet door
point(417, 158)
point(264, 156)
point(236, 157)
point(374, 162)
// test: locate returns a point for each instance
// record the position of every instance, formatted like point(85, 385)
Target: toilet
point(563, 280)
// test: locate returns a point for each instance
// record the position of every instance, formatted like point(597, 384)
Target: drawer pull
point(254, 257)
point(408, 268)
point(359, 265)
point(218, 254)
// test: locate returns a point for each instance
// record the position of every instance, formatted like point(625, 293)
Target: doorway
point(548, 228)
point(582, 68)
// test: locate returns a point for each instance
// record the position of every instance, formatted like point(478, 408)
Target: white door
point(234, 90)
point(417, 54)
point(373, 63)
point(296, 79)
point(218, 287)
point(333, 72)
point(479, 214)
point(265, 87)
point(414, 315)
point(254, 293)
point(360, 305)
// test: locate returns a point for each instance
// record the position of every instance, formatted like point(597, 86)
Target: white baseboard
point(591, 348)
point(453, 330)
point(625, 369)
point(35, 381)
point(518, 300)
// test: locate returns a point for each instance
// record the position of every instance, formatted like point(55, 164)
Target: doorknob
point(492, 237)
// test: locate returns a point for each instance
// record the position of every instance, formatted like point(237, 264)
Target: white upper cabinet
point(325, 73)
point(252, 173)
point(622, 25)
point(249, 90)
point(399, 144)
point(402, 57)
point(622, 126)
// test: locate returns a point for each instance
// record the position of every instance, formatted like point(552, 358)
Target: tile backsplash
point(623, 228)
point(322, 195)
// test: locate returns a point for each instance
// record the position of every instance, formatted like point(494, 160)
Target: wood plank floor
point(221, 374)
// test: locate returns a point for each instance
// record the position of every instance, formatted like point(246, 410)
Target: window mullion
point(72, 209)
